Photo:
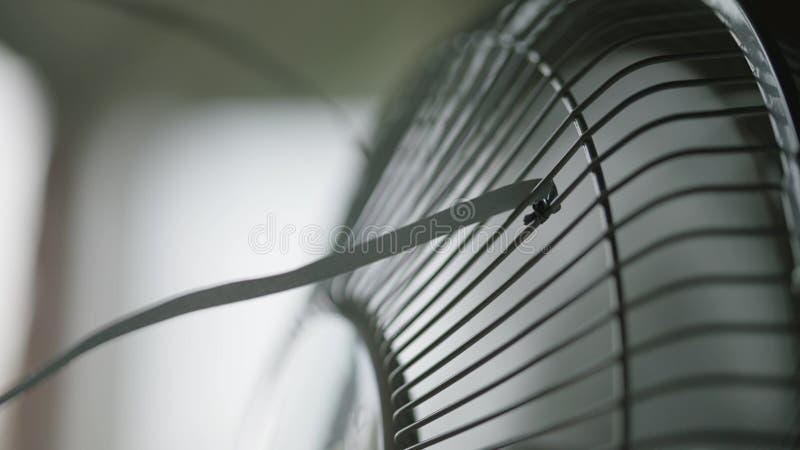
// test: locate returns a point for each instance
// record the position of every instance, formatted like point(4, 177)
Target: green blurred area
point(90, 51)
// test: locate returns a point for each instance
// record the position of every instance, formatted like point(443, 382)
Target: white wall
point(24, 135)
point(165, 203)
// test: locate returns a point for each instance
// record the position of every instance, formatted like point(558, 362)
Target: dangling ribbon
point(358, 255)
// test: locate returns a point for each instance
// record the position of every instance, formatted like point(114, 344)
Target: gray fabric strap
point(424, 230)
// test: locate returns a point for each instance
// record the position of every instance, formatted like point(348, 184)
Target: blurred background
point(141, 144)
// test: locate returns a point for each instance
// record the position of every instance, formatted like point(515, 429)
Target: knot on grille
point(543, 207)
point(541, 211)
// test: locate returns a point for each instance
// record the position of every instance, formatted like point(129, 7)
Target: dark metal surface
point(657, 310)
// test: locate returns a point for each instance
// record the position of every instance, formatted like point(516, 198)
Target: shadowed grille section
point(653, 310)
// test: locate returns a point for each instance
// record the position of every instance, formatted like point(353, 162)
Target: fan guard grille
point(654, 310)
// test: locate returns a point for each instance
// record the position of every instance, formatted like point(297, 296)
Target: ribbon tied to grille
point(429, 228)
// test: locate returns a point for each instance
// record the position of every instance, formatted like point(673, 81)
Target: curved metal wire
point(513, 104)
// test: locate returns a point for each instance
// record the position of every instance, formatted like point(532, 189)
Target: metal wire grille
point(653, 310)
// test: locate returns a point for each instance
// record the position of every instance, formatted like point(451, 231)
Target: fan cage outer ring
point(778, 93)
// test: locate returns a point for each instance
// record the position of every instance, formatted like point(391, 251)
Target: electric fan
point(652, 301)
point(622, 277)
